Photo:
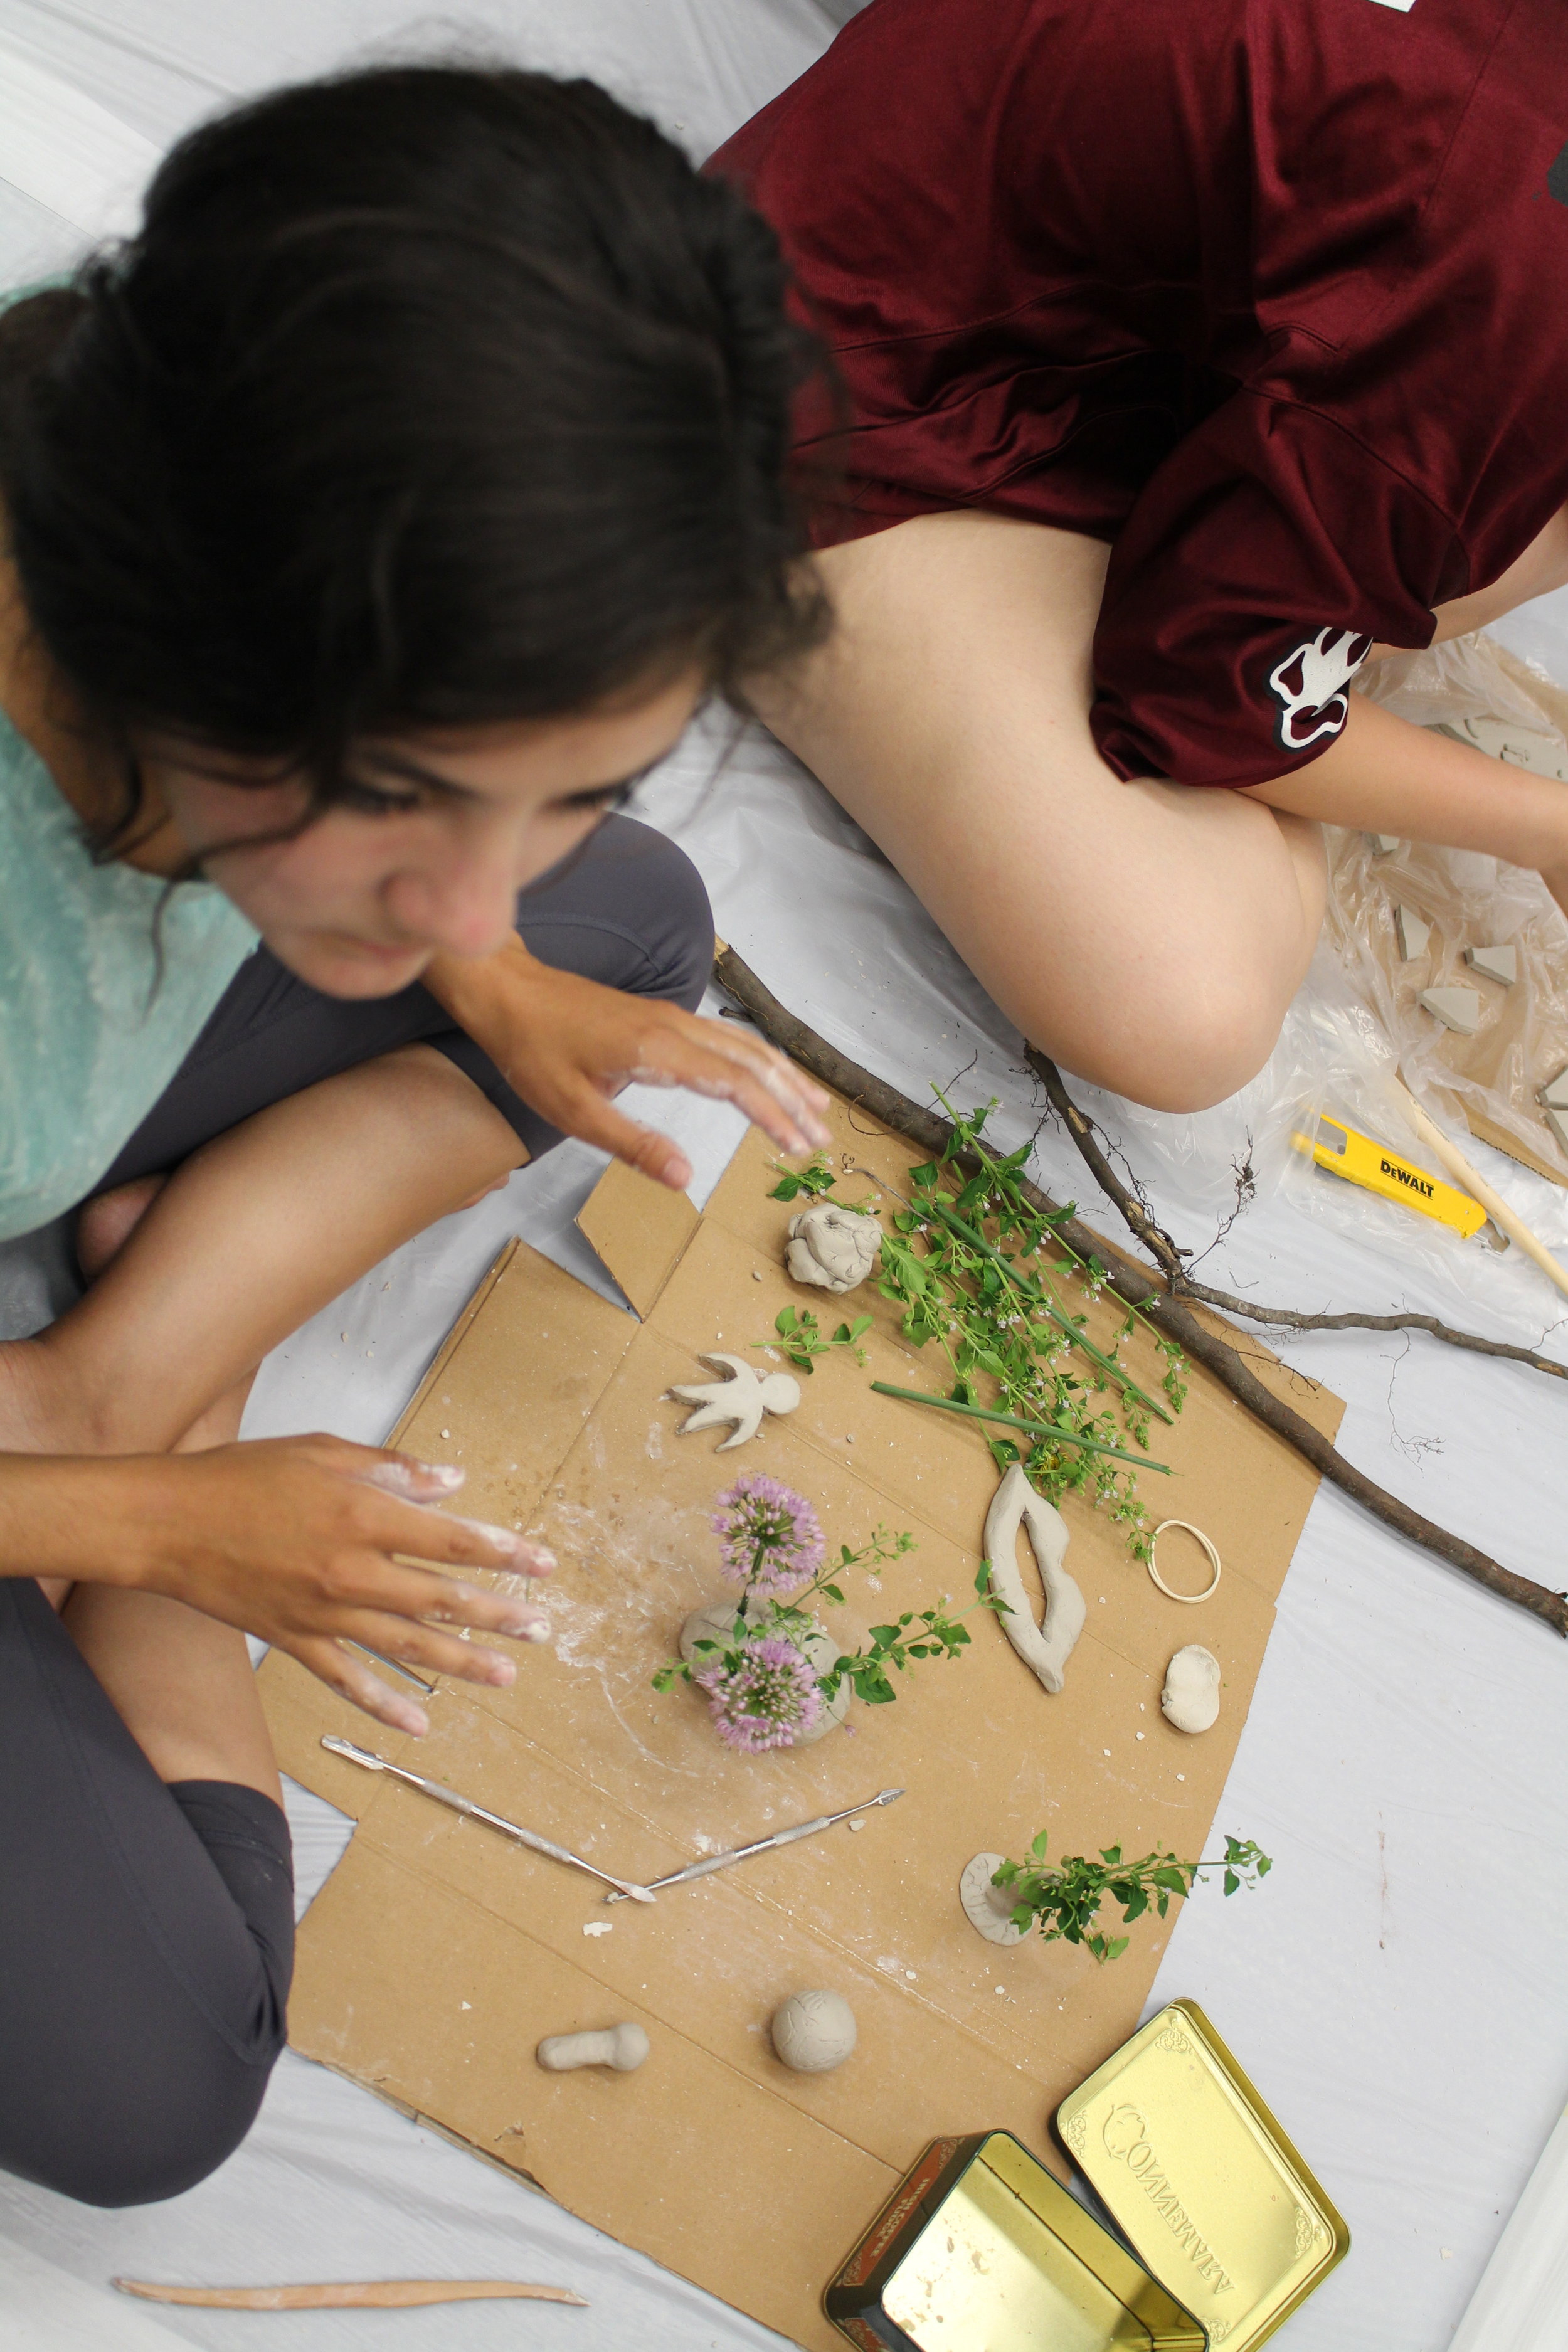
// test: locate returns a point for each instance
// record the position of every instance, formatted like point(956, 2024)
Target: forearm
point(1384, 775)
point(85, 1520)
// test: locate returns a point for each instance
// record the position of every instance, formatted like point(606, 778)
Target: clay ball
point(832, 1248)
point(813, 2032)
point(1191, 1696)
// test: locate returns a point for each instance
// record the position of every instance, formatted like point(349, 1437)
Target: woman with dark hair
point(370, 521)
point(1196, 353)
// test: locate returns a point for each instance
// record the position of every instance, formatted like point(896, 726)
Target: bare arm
point(1542, 567)
point(1383, 775)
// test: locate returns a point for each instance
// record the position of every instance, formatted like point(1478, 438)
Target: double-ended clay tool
point(762, 1845)
point(445, 1796)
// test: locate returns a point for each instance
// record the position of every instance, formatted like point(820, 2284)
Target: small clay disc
point(981, 1901)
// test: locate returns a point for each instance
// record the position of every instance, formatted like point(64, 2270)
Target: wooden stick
point(933, 1136)
point(349, 2294)
point(1507, 1221)
point(1158, 1241)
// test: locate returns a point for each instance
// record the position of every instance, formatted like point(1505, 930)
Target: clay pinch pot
point(715, 1621)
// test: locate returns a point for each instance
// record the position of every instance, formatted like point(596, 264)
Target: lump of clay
point(741, 1400)
point(624, 2047)
point(1556, 1094)
point(716, 1622)
point(988, 1909)
point(1191, 1696)
point(832, 1248)
point(1500, 963)
point(1046, 1648)
point(1383, 844)
point(1456, 1008)
point(813, 2032)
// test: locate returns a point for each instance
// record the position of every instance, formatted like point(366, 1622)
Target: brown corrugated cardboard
point(712, 2156)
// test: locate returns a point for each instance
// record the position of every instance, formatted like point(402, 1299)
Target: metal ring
point(1207, 1546)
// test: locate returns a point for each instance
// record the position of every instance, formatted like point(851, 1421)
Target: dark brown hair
point(425, 396)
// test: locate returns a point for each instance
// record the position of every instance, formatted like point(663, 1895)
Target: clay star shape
point(742, 1399)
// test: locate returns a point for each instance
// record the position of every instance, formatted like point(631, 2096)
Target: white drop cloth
point(1397, 1987)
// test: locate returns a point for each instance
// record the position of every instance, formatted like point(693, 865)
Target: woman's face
point(427, 851)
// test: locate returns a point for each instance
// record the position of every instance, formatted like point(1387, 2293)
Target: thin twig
point(1136, 1216)
point(934, 1136)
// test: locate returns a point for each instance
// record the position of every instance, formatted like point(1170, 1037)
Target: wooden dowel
point(349, 2294)
point(1507, 1221)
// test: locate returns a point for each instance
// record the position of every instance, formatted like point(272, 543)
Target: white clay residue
point(741, 1400)
point(624, 2047)
point(1191, 1696)
point(814, 2031)
point(832, 1248)
point(1046, 1648)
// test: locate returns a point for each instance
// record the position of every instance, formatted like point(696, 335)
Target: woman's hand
point(290, 1539)
point(566, 1045)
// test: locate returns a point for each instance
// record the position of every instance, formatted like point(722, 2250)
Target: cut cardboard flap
point(637, 1230)
point(438, 1954)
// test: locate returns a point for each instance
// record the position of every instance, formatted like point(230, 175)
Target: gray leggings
point(146, 1932)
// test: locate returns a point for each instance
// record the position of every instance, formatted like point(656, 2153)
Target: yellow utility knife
point(1372, 1166)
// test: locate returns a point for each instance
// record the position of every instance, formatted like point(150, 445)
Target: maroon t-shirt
point(1272, 294)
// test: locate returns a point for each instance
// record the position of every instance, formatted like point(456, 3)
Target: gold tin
point(982, 2249)
point(1200, 2181)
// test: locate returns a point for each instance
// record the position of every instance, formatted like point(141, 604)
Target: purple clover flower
point(771, 1539)
point(764, 1696)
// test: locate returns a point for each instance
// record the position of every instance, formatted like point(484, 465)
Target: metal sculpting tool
point(762, 1845)
point(445, 1796)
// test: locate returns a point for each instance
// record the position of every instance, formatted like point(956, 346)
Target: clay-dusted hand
point(832, 1248)
point(568, 1045)
point(293, 1539)
point(741, 1400)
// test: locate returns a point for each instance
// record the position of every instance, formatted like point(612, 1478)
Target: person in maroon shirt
point(1193, 353)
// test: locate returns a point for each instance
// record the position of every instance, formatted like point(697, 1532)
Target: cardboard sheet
point(438, 1955)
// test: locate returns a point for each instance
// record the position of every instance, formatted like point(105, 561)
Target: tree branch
point(1135, 1215)
point(932, 1134)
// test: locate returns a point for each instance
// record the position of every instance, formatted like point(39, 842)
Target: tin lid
point(1201, 2180)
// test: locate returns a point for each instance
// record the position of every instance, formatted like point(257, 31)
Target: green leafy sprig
point(981, 1273)
point(937, 1634)
point(801, 1339)
point(1064, 1901)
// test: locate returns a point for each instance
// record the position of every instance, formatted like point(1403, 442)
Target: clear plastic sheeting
point(1395, 1989)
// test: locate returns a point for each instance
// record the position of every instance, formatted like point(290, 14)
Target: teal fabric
point(94, 1021)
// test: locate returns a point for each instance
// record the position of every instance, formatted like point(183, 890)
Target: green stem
point(972, 1142)
point(1027, 1288)
point(1035, 1428)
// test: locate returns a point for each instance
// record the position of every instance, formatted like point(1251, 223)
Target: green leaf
point(1231, 1882)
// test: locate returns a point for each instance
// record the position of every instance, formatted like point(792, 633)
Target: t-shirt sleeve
point(1260, 563)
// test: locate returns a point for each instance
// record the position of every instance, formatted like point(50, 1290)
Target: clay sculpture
point(813, 2032)
point(1500, 963)
point(988, 1909)
point(1412, 933)
point(1459, 1009)
point(832, 1248)
point(624, 2047)
point(1191, 1696)
point(1046, 1648)
point(741, 1400)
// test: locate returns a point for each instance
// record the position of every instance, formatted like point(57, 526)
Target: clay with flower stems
point(1191, 1696)
point(1046, 1648)
point(624, 2047)
point(832, 1248)
point(988, 1909)
point(741, 1400)
point(716, 1622)
point(814, 2031)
